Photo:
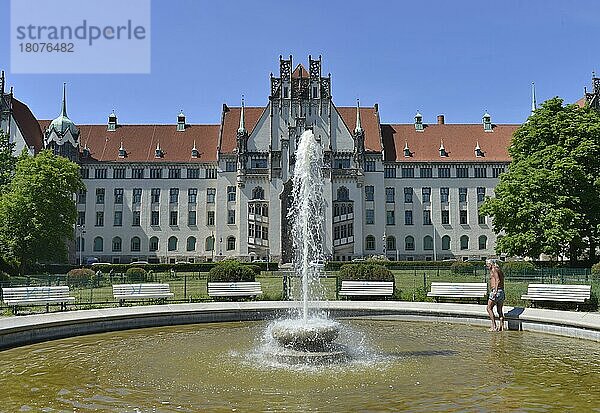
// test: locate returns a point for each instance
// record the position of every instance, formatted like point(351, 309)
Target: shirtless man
point(496, 295)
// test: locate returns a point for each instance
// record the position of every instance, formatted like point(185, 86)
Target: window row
point(390, 171)
point(428, 244)
point(390, 194)
point(152, 173)
point(136, 218)
point(153, 244)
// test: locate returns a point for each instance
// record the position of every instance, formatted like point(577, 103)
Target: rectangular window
point(100, 173)
point(231, 216)
point(156, 173)
point(496, 171)
point(155, 195)
point(191, 218)
point(231, 194)
point(85, 173)
point(119, 173)
point(444, 195)
point(81, 197)
point(390, 218)
point(155, 218)
point(369, 166)
point(369, 193)
point(118, 195)
point(462, 172)
point(230, 166)
point(336, 233)
point(173, 218)
point(193, 173)
point(481, 172)
point(445, 217)
point(480, 194)
point(425, 172)
point(462, 194)
point(250, 230)
point(118, 219)
point(408, 217)
point(80, 218)
point(100, 195)
point(137, 173)
point(210, 195)
point(389, 172)
point(210, 173)
point(173, 195)
point(135, 222)
point(426, 217)
point(481, 219)
point(390, 195)
point(443, 172)
point(210, 218)
point(426, 193)
point(175, 173)
point(408, 172)
point(137, 196)
point(258, 163)
point(99, 219)
point(408, 195)
point(341, 163)
point(192, 195)
point(463, 217)
point(370, 216)
point(265, 233)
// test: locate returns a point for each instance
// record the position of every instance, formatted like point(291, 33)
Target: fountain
point(308, 336)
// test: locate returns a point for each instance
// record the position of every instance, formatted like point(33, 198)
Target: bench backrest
point(367, 284)
point(252, 287)
point(132, 289)
point(467, 288)
point(563, 290)
point(31, 293)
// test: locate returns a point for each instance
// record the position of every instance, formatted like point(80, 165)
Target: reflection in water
point(419, 367)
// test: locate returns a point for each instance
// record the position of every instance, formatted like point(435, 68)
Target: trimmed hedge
point(79, 277)
point(393, 265)
point(180, 267)
point(136, 274)
point(517, 267)
point(231, 271)
point(365, 272)
point(463, 267)
point(596, 268)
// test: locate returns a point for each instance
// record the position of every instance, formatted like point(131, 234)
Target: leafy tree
point(548, 200)
point(7, 160)
point(37, 212)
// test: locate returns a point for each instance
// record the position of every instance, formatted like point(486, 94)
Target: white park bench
point(234, 289)
point(150, 291)
point(575, 293)
point(366, 289)
point(458, 290)
point(30, 296)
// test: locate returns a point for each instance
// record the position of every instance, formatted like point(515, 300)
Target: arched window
point(370, 243)
point(342, 194)
point(209, 243)
point(117, 244)
point(428, 243)
point(482, 242)
point(153, 244)
point(390, 243)
point(230, 243)
point(258, 193)
point(409, 243)
point(80, 244)
point(191, 244)
point(172, 244)
point(98, 244)
point(446, 242)
point(464, 242)
point(135, 244)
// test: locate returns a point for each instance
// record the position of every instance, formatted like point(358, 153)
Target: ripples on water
point(420, 367)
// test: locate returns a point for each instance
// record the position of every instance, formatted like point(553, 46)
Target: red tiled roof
point(369, 120)
point(28, 124)
point(459, 140)
point(231, 123)
point(140, 142)
point(581, 102)
point(300, 71)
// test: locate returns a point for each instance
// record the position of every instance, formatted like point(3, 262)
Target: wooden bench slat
point(234, 289)
point(124, 292)
point(366, 288)
point(36, 295)
point(578, 293)
point(458, 290)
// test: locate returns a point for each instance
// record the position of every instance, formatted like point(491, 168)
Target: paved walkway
point(23, 330)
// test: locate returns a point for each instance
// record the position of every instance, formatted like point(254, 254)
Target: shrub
point(462, 267)
point(366, 272)
point(136, 274)
point(79, 277)
point(517, 267)
point(4, 277)
point(231, 271)
point(596, 269)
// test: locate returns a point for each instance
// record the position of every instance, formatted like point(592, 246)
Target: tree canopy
point(7, 160)
point(37, 211)
point(547, 202)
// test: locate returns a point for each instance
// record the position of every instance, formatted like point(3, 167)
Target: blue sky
point(459, 58)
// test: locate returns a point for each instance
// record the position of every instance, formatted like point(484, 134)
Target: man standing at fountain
point(497, 295)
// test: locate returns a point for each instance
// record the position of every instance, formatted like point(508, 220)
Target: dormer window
point(195, 152)
point(487, 122)
point(122, 151)
point(181, 122)
point(158, 153)
point(443, 152)
point(478, 152)
point(112, 122)
point(419, 122)
point(86, 152)
point(407, 153)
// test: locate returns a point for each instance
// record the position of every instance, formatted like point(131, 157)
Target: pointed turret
point(2, 81)
point(64, 100)
point(62, 135)
point(533, 102)
point(358, 128)
point(242, 128)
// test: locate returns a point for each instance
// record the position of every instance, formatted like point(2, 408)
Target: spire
point(242, 128)
point(2, 83)
point(533, 102)
point(64, 101)
point(358, 128)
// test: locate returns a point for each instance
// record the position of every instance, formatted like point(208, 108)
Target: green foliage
point(547, 201)
point(596, 269)
point(365, 272)
point(394, 265)
point(231, 271)
point(463, 267)
point(79, 277)
point(4, 277)
point(136, 274)
point(7, 161)
point(37, 212)
point(518, 267)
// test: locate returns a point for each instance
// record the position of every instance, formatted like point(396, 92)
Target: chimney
point(440, 119)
